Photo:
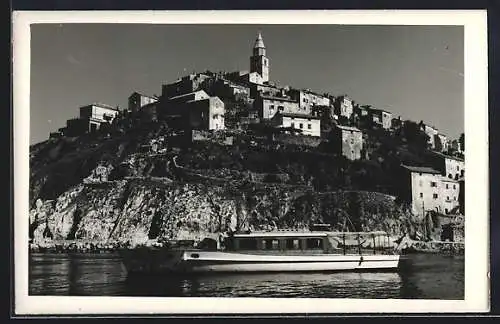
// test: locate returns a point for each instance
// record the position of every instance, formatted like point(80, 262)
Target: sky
point(415, 72)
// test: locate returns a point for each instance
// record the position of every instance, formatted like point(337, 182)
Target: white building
point(308, 125)
point(427, 190)
point(96, 114)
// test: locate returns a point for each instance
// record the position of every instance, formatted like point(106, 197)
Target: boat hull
point(216, 261)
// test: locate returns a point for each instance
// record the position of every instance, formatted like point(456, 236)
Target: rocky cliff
point(136, 185)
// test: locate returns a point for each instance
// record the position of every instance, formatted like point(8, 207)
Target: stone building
point(308, 99)
point(268, 90)
point(268, 106)
point(427, 190)
point(432, 132)
point(441, 142)
point(450, 194)
point(308, 125)
point(138, 100)
point(347, 141)
point(197, 110)
point(381, 117)
point(343, 106)
point(184, 85)
point(226, 89)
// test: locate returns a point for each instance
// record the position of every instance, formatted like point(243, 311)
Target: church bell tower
point(258, 61)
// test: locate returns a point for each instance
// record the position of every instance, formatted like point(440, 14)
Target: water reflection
point(421, 276)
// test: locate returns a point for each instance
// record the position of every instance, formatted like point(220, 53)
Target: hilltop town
point(213, 127)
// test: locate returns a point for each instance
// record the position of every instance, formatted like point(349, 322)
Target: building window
point(292, 125)
point(435, 196)
point(281, 108)
point(447, 197)
point(308, 126)
point(433, 184)
point(457, 168)
point(454, 187)
point(421, 195)
point(446, 186)
point(301, 125)
point(455, 198)
point(446, 210)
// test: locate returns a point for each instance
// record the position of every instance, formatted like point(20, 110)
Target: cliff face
point(117, 188)
point(137, 210)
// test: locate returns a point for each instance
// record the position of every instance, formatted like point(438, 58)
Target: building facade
point(138, 100)
point(451, 167)
point(441, 142)
point(96, 114)
point(184, 85)
point(268, 106)
point(381, 117)
point(259, 62)
point(450, 194)
point(308, 99)
point(343, 106)
point(197, 110)
point(308, 125)
point(347, 141)
point(427, 190)
point(432, 132)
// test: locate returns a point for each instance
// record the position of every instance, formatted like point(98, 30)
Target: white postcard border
point(476, 160)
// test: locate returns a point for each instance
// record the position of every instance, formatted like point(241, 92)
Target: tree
point(414, 135)
point(461, 140)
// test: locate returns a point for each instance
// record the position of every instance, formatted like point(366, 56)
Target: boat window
point(293, 244)
point(314, 243)
point(248, 244)
point(271, 244)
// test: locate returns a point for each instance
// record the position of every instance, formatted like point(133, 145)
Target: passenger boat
point(273, 251)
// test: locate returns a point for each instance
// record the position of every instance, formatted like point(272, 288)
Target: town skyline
point(103, 61)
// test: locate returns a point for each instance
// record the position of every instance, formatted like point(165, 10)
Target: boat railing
point(364, 243)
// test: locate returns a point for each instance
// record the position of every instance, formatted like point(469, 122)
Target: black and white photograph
point(307, 158)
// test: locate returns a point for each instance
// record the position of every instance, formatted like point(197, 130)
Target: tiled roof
point(421, 169)
point(295, 115)
point(349, 128)
point(447, 156)
point(101, 105)
point(186, 94)
point(277, 98)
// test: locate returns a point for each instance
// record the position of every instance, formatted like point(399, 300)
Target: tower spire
point(259, 42)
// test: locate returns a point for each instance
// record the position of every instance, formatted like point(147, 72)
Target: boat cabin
point(278, 241)
point(313, 241)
